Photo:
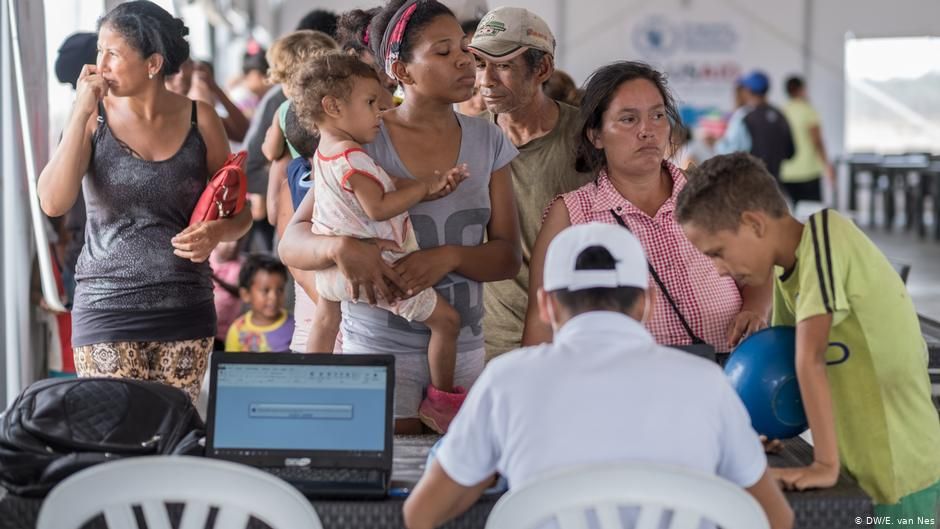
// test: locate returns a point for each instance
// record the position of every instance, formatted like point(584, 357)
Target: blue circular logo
point(655, 36)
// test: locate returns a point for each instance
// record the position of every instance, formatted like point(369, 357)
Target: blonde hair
point(291, 51)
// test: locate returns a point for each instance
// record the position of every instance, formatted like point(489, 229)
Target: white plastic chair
point(693, 497)
point(238, 491)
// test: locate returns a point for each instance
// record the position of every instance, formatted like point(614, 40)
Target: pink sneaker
point(440, 407)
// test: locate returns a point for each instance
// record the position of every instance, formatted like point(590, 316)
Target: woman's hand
point(424, 269)
point(743, 325)
point(196, 242)
point(360, 261)
point(90, 89)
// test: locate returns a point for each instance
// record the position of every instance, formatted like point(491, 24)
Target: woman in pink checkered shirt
point(628, 115)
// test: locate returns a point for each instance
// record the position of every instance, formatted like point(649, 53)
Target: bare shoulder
point(557, 216)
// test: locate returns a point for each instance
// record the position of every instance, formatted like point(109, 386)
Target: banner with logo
point(703, 45)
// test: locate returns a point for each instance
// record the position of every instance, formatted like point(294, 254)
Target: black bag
point(58, 427)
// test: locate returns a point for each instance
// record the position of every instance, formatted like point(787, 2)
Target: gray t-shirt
point(458, 219)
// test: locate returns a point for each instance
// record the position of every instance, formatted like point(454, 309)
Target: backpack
point(58, 427)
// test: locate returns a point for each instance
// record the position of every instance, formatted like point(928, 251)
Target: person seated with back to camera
point(595, 296)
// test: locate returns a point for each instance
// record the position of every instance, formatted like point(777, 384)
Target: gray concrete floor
point(923, 255)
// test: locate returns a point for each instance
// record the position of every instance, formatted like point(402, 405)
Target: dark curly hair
point(600, 89)
point(304, 140)
point(352, 27)
point(424, 14)
point(149, 29)
point(319, 20)
point(469, 27)
point(256, 263)
point(331, 74)
point(724, 187)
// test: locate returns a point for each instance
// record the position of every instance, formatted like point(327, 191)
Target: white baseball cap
point(563, 252)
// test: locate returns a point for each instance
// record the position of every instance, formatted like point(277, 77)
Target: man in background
point(801, 174)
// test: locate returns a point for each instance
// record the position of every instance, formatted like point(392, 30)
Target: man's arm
point(775, 505)
point(437, 498)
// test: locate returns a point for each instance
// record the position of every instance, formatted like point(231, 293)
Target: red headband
point(391, 41)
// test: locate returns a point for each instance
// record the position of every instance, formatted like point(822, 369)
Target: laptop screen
point(296, 407)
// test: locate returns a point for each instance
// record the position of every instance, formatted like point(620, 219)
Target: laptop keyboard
point(326, 475)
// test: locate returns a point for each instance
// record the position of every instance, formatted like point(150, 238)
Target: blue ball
point(762, 369)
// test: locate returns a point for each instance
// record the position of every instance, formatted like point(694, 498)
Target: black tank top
point(130, 284)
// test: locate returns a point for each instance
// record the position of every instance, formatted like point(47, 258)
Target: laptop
point(321, 422)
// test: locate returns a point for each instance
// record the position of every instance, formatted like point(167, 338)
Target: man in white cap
point(602, 392)
point(515, 50)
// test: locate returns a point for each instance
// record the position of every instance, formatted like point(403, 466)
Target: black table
point(931, 331)
point(857, 164)
point(897, 169)
point(820, 509)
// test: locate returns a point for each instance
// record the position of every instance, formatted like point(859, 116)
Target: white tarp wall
point(701, 37)
point(701, 42)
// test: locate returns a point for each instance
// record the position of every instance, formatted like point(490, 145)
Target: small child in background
point(869, 409)
point(226, 263)
point(285, 57)
point(357, 198)
point(299, 177)
point(266, 327)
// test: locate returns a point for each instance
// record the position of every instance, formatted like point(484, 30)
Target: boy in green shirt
point(870, 410)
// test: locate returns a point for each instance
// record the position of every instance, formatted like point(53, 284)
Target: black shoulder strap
point(193, 119)
point(664, 290)
point(101, 116)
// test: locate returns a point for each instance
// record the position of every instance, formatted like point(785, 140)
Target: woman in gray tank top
point(143, 303)
point(467, 238)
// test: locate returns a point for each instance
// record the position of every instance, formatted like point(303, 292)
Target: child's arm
point(273, 146)
point(380, 205)
point(812, 341)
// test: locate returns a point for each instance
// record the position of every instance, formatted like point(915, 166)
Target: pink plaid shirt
point(708, 302)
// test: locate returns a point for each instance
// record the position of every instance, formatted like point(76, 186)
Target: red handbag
point(225, 193)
